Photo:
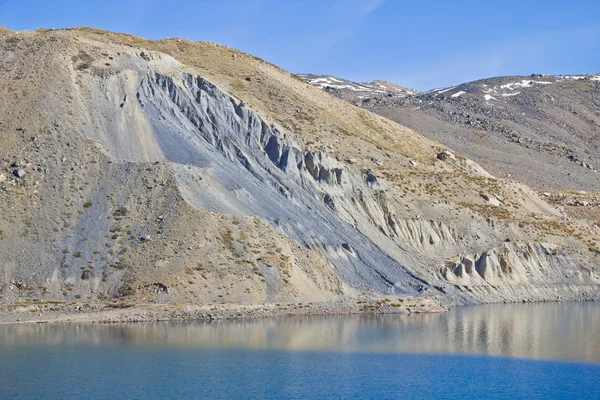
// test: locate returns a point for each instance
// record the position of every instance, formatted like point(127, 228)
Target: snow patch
point(524, 83)
point(331, 82)
point(445, 90)
point(317, 80)
point(355, 88)
point(574, 77)
point(458, 93)
point(509, 89)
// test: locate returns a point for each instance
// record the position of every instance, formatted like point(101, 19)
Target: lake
point(549, 350)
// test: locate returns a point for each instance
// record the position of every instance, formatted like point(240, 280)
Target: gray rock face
point(249, 167)
point(227, 159)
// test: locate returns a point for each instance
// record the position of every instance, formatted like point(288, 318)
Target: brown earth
point(171, 171)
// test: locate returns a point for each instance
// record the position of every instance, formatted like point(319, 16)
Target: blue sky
point(421, 44)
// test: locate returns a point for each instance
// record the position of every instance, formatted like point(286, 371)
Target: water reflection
point(548, 331)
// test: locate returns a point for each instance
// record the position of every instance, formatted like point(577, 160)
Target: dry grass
point(281, 97)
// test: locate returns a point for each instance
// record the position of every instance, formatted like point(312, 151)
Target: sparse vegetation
point(151, 221)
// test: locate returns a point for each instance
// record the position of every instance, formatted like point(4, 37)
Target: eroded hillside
point(179, 171)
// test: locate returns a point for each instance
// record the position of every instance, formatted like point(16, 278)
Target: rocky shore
point(119, 313)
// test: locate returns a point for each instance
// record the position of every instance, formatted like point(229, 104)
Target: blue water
point(320, 357)
point(142, 373)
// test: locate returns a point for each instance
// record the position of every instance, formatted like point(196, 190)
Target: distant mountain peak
point(533, 124)
point(363, 89)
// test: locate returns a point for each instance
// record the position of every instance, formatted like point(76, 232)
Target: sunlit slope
point(174, 170)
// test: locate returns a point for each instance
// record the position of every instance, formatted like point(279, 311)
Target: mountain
point(358, 91)
point(542, 130)
point(175, 171)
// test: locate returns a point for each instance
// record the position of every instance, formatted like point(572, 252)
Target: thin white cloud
point(357, 8)
point(346, 16)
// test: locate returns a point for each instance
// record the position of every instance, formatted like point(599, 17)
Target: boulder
point(581, 203)
point(446, 155)
point(491, 200)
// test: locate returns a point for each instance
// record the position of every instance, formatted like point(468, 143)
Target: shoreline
point(178, 312)
point(217, 311)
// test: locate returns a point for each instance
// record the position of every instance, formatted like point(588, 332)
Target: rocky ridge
point(358, 91)
point(513, 126)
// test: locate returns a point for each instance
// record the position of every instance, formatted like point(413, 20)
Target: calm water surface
point(498, 351)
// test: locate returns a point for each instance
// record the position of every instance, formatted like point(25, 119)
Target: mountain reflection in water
point(561, 331)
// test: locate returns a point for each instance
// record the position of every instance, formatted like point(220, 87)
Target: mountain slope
point(178, 171)
point(542, 130)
